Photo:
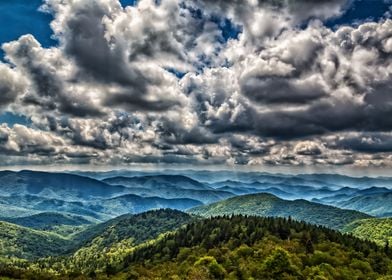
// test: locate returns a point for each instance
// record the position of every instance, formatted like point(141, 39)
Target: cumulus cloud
point(163, 82)
point(12, 85)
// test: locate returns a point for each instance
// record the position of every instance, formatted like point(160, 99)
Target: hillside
point(149, 181)
point(25, 243)
point(170, 187)
point(126, 231)
point(65, 225)
point(256, 248)
point(96, 210)
point(379, 204)
point(139, 227)
point(270, 205)
point(104, 245)
point(48, 220)
point(32, 204)
point(62, 186)
point(136, 204)
point(234, 247)
point(378, 230)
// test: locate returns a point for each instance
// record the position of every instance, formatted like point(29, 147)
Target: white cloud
point(288, 90)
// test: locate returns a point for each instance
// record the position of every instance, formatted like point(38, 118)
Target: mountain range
point(102, 223)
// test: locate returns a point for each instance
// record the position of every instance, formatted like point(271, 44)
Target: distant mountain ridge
point(30, 192)
point(26, 193)
point(47, 220)
point(269, 205)
point(63, 186)
point(170, 187)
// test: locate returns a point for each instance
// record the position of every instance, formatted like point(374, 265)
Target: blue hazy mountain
point(28, 192)
point(102, 196)
point(170, 187)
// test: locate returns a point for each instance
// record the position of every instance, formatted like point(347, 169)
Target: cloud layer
point(200, 82)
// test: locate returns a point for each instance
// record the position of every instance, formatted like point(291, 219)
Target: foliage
point(378, 230)
point(240, 247)
point(228, 247)
point(270, 205)
point(26, 243)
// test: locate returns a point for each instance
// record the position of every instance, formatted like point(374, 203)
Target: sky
point(273, 83)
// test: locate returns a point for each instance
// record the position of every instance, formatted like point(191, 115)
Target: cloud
point(269, 90)
point(47, 72)
point(12, 85)
point(308, 148)
point(369, 142)
point(287, 90)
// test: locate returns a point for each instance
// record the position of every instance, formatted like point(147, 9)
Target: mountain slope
point(377, 204)
point(96, 210)
point(32, 204)
point(270, 205)
point(136, 204)
point(170, 187)
point(256, 248)
point(48, 220)
point(153, 180)
point(235, 247)
point(105, 244)
point(175, 192)
point(62, 186)
point(378, 230)
point(122, 232)
point(139, 227)
point(26, 243)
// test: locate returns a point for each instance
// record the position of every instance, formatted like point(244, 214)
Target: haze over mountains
point(102, 196)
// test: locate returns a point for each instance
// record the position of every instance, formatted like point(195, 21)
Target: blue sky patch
point(360, 11)
point(20, 17)
point(125, 3)
point(11, 119)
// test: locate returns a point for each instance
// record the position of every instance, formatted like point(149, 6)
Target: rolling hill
point(139, 227)
point(150, 181)
point(241, 247)
point(170, 187)
point(61, 186)
point(95, 210)
point(270, 205)
point(166, 243)
point(134, 204)
point(379, 204)
point(378, 230)
point(26, 243)
point(48, 221)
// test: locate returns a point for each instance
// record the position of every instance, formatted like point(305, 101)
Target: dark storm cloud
point(20, 141)
point(132, 101)
point(116, 49)
point(177, 135)
point(49, 89)
point(325, 117)
point(84, 40)
point(365, 142)
point(280, 90)
point(378, 109)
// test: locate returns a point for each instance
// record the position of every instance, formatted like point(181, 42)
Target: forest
point(224, 247)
